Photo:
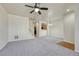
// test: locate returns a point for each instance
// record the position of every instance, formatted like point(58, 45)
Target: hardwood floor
point(67, 45)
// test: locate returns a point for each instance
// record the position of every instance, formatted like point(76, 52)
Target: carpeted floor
point(44, 46)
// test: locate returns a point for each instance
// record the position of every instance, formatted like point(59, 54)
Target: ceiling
point(54, 9)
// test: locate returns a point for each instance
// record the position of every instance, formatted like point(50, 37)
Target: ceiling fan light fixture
point(36, 9)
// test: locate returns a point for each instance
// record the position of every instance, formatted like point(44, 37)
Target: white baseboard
point(3, 45)
point(19, 40)
point(56, 36)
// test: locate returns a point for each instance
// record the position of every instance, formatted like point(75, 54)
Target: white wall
point(77, 29)
point(56, 28)
point(3, 27)
point(69, 20)
point(55, 18)
point(18, 25)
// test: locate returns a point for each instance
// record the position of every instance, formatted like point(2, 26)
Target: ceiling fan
point(37, 8)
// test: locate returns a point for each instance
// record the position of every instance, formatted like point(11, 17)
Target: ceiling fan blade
point(29, 6)
point(32, 11)
point(43, 8)
point(39, 12)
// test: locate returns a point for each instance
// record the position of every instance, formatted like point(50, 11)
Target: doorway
point(40, 29)
point(35, 31)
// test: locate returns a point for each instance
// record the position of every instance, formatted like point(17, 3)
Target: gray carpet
point(36, 47)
